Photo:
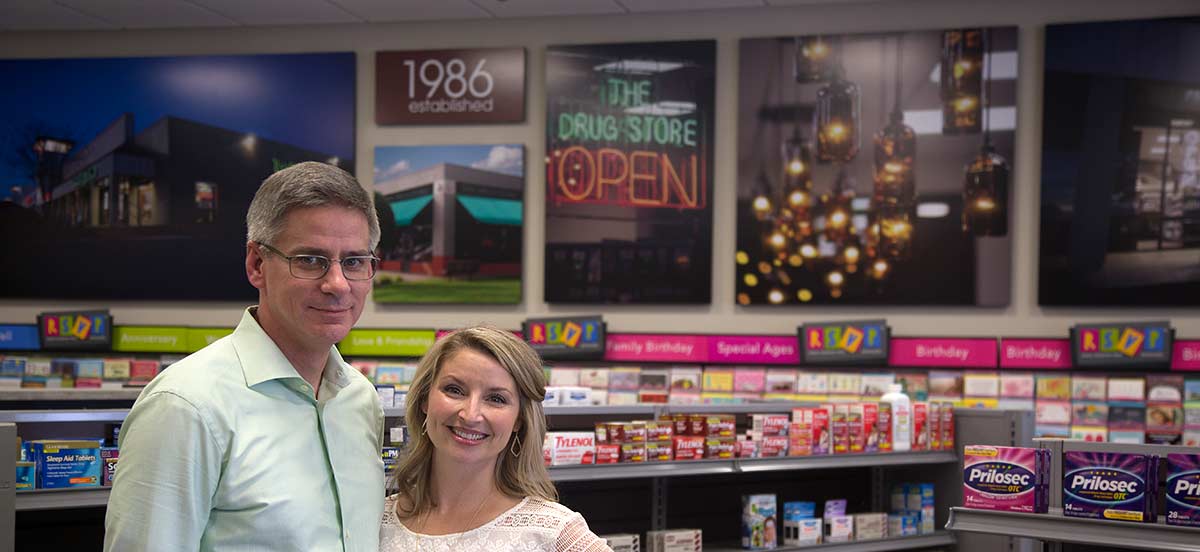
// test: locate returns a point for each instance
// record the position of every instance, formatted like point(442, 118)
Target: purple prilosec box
point(1109, 485)
point(1005, 478)
point(1183, 489)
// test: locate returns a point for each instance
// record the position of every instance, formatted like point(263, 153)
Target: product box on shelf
point(553, 396)
point(883, 427)
point(857, 438)
point(658, 451)
point(802, 532)
point(26, 476)
point(674, 540)
point(391, 457)
point(576, 396)
point(595, 378)
point(608, 454)
point(63, 464)
point(771, 446)
point(689, 447)
point(947, 430)
point(758, 522)
point(839, 427)
point(719, 448)
point(809, 434)
point(870, 526)
point(1005, 478)
point(387, 395)
point(569, 448)
point(1110, 485)
point(903, 525)
point(769, 424)
point(714, 425)
point(633, 452)
point(839, 528)
point(1183, 489)
point(745, 448)
point(109, 456)
point(623, 542)
point(921, 415)
point(659, 431)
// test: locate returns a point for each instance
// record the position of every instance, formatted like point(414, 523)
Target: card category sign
point(848, 342)
point(1187, 356)
point(577, 337)
point(77, 330)
point(440, 87)
point(1035, 353)
point(703, 349)
point(18, 337)
point(405, 343)
point(1123, 345)
point(943, 352)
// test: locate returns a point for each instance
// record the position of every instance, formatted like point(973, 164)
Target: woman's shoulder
point(538, 513)
point(391, 505)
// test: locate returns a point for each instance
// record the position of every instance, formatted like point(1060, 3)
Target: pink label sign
point(961, 353)
point(750, 349)
point(1186, 357)
point(1035, 353)
point(656, 348)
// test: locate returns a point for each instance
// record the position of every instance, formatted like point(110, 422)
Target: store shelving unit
point(70, 394)
point(1057, 528)
point(940, 538)
point(64, 415)
point(1054, 529)
point(60, 499)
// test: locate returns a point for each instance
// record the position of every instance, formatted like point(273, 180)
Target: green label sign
point(150, 339)
point(409, 343)
point(199, 338)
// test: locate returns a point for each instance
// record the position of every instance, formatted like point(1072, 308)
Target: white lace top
point(531, 525)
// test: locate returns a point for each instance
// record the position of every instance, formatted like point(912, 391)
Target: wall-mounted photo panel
point(629, 150)
point(450, 87)
point(874, 169)
point(1120, 210)
point(450, 220)
point(129, 178)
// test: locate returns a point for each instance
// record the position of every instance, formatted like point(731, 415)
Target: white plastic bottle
point(901, 418)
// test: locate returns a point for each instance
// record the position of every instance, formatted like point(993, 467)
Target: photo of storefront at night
point(141, 197)
point(452, 234)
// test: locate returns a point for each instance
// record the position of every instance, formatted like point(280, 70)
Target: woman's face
point(472, 409)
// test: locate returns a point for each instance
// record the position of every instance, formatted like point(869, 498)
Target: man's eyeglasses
point(314, 267)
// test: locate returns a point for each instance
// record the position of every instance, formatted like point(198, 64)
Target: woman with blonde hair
point(473, 476)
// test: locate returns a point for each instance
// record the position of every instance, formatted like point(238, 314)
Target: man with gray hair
point(267, 439)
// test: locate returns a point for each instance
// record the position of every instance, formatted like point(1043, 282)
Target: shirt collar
point(262, 360)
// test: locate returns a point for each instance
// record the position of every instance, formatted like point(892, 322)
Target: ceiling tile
point(45, 15)
point(639, 6)
point(380, 11)
point(279, 12)
point(147, 14)
point(537, 8)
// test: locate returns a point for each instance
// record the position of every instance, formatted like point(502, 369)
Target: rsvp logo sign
point(569, 333)
point(1128, 341)
point(81, 326)
point(848, 340)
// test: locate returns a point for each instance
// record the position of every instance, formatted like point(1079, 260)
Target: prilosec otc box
point(1005, 478)
point(1183, 489)
point(1110, 485)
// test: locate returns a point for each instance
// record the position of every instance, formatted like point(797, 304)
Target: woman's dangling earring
point(515, 447)
point(425, 426)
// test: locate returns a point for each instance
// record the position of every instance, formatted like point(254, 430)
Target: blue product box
point(65, 464)
point(799, 510)
point(1109, 485)
point(1183, 489)
point(759, 522)
point(109, 455)
point(391, 459)
point(26, 476)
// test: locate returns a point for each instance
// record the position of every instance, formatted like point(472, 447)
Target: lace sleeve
point(576, 537)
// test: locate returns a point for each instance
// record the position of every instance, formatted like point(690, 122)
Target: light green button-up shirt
point(229, 449)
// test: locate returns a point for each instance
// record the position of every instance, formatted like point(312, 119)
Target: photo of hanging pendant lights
point(813, 59)
point(985, 184)
point(962, 81)
point(797, 184)
point(837, 119)
point(894, 200)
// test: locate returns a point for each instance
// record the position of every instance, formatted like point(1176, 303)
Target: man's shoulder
point(201, 374)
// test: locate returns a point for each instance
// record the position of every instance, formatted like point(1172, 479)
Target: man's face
point(311, 314)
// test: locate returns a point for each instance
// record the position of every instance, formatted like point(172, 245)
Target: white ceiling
point(39, 15)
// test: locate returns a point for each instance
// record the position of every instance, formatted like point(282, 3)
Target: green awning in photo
point(405, 210)
point(492, 210)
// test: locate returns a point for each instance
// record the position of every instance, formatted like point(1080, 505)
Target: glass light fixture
point(837, 120)
point(834, 220)
point(985, 194)
point(895, 232)
point(895, 152)
point(797, 198)
point(813, 59)
point(962, 81)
